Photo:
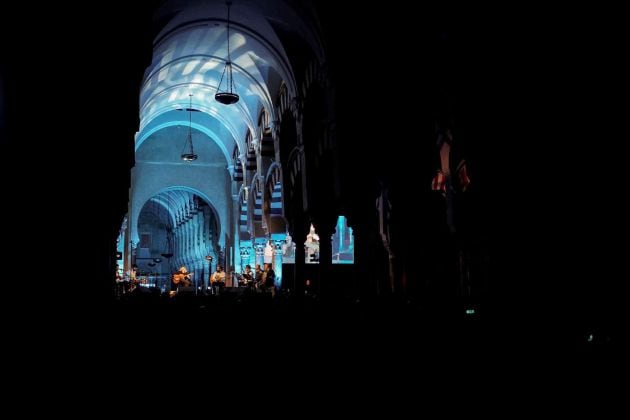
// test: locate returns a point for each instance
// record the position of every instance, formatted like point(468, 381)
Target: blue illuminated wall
point(177, 228)
point(343, 243)
point(159, 168)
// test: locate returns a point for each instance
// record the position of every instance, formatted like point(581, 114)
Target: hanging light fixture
point(227, 96)
point(188, 153)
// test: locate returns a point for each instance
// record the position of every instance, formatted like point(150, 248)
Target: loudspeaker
point(186, 289)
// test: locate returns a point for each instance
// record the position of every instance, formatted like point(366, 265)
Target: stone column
point(301, 229)
point(324, 231)
point(277, 256)
point(260, 253)
point(245, 255)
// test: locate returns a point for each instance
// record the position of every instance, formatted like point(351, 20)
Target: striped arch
point(264, 123)
point(274, 204)
point(294, 166)
point(243, 219)
point(266, 137)
point(238, 165)
point(255, 208)
point(250, 162)
point(286, 103)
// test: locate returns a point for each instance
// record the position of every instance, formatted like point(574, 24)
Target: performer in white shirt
point(217, 280)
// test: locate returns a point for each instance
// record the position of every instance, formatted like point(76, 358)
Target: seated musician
point(181, 277)
point(247, 278)
point(218, 280)
point(258, 278)
point(269, 279)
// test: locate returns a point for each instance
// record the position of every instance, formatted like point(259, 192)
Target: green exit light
point(470, 311)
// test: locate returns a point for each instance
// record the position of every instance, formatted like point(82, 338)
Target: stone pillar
point(277, 257)
point(245, 255)
point(260, 253)
point(361, 262)
point(324, 230)
point(301, 229)
point(130, 258)
point(206, 278)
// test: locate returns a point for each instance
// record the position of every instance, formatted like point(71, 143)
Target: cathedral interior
point(375, 159)
point(262, 177)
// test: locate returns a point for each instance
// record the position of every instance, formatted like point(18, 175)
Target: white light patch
point(208, 65)
point(162, 74)
point(246, 62)
point(190, 66)
point(237, 41)
point(166, 58)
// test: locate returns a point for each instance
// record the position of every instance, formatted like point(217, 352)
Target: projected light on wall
point(181, 224)
point(288, 250)
point(343, 243)
point(120, 240)
point(311, 247)
point(195, 59)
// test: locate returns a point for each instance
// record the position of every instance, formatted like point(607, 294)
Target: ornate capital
point(277, 247)
point(260, 249)
point(245, 251)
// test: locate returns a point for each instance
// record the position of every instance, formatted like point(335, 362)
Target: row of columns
point(259, 255)
point(253, 254)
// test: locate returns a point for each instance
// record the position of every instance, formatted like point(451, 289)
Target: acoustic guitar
point(182, 278)
point(218, 278)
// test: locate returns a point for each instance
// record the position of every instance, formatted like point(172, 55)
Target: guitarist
point(181, 277)
point(247, 278)
point(218, 280)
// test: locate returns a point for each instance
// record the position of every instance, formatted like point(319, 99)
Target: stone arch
point(273, 210)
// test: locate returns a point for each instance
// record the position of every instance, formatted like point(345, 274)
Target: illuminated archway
point(176, 227)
